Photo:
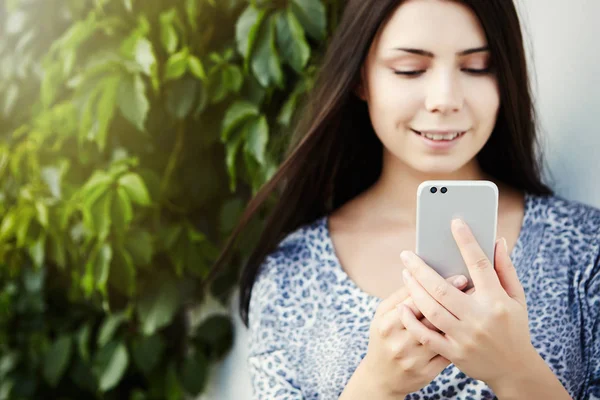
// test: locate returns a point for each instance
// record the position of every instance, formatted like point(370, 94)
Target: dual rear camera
point(434, 190)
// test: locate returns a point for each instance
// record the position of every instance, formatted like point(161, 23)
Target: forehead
point(440, 26)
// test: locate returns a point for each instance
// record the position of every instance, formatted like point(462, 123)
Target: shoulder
point(285, 272)
point(571, 229)
point(296, 251)
point(572, 217)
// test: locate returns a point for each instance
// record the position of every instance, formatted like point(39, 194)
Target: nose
point(444, 93)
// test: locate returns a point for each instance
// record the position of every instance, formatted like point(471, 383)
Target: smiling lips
point(447, 135)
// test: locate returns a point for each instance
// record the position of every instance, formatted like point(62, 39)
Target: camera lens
point(433, 189)
point(443, 190)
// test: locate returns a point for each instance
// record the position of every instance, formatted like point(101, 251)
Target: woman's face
point(438, 85)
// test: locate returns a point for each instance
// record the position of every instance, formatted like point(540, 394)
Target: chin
point(439, 167)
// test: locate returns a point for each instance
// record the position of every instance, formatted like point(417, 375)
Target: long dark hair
point(336, 155)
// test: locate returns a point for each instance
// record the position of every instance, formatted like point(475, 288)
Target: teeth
point(439, 136)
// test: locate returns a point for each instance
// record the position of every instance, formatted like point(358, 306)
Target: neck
point(394, 193)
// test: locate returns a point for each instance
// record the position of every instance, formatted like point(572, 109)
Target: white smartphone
point(438, 203)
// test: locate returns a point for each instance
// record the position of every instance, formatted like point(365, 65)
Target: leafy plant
point(132, 134)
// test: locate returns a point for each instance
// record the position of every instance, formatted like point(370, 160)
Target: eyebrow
point(430, 54)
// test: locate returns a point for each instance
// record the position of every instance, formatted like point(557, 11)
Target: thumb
point(507, 274)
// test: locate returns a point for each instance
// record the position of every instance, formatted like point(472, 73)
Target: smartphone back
point(475, 202)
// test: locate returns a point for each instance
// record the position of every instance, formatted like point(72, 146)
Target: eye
point(409, 73)
point(477, 71)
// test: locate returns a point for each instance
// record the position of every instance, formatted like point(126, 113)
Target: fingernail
point(406, 275)
point(458, 223)
point(405, 256)
point(458, 282)
point(400, 308)
point(505, 245)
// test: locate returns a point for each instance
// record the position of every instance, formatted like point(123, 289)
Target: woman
point(329, 311)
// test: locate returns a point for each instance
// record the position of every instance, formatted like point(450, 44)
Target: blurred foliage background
point(133, 133)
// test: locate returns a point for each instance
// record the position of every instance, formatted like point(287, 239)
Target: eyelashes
point(471, 71)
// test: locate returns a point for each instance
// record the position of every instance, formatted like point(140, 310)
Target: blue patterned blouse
point(309, 322)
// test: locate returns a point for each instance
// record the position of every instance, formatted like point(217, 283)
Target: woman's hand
point(487, 332)
point(396, 363)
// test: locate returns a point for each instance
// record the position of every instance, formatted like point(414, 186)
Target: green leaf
point(88, 124)
point(99, 179)
point(8, 225)
point(181, 96)
point(8, 361)
point(147, 352)
point(37, 251)
point(83, 340)
point(50, 84)
point(196, 67)
point(231, 151)
point(168, 35)
point(230, 214)
point(202, 99)
point(109, 326)
point(57, 250)
point(52, 176)
point(194, 374)
point(191, 10)
point(291, 42)
point(157, 308)
point(23, 227)
point(135, 188)
point(246, 29)
point(106, 108)
point(56, 360)
point(173, 390)
point(144, 56)
point(139, 245)
point(12, 93)
point(110, 364)
point(257, 136)
point(42, 213)
point(265, 60)
point(100, 214)
point(233, 78)
point(102, 267)
point(289, 107)
point(312, 15)
point(82, 376)
point(33, 279)
point(121, 211)
point(216, 87)
point(238, 113)
point(122, 272)
point(176, 65)
point(133, 102)
point(6, 387)
point(94, 204)
point(216, 334)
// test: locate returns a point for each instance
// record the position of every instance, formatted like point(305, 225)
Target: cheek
point(484, 99)
point(391, 102)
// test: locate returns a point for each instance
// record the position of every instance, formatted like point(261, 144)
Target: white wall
point(566, 59)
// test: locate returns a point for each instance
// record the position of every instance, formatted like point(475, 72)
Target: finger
point(391, 321)
point(480, 267)
point(450, 297)
point(411, 304)
point(439, 316)
point(390, 302)
point(507, 274)
point(435, 341)
point(458, 281)
point(436, 365)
